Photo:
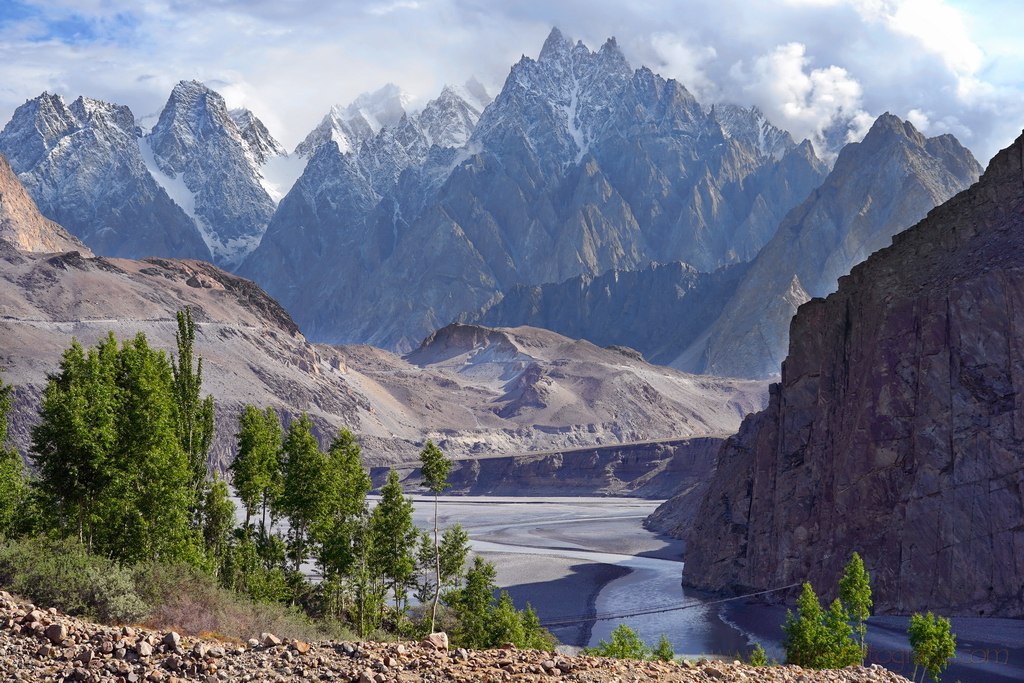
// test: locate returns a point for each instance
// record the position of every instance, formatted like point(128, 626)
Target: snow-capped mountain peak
point(197, 138)
point(351, 125)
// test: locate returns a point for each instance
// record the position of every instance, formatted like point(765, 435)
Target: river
point(585, 564)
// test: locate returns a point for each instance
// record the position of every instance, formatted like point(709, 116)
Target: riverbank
point(45, 645)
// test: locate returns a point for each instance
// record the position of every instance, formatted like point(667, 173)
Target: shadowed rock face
point(897, 428)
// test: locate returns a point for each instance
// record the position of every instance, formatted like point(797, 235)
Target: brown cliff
point(898, 427)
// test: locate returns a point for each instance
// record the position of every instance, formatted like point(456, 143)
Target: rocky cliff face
point(878, 187)
point(23, 226)
point(82, 165)
point(197, 144)
point(896, 430)
point(579, 166)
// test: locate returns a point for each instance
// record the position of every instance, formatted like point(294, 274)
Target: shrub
point(59, 573)
point(625, 644)
point(193, 603)
point(664, 652)
point(758, 657)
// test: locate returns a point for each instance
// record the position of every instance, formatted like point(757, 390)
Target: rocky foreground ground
point(44, 645)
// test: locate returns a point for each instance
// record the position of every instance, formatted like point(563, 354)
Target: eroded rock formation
point(898, 427)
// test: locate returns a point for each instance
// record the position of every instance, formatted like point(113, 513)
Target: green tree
point(346, 483)
point(74, 442)
point(663, 652)
point(435, 468)
point(472, 604)
point(256, 470)
point(933, 644)
point(453, 553)
point(147, 509)
point(855, 594)
point(816, 638)
point(625, 643)
point(193, 414)
point(505, 624)
point(394, 539)
point(218, 514)
point(758, 657)
point(303, 499)
point(537, 637)
point(839, 648)
point(803, 631)
point(365, 579)
point(13, 489)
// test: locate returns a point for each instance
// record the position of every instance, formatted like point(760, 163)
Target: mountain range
point(474, 390)
point(588, 197)
point(735, 321)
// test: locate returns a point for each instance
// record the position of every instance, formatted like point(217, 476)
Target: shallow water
point(590, 532)
point(577, 558)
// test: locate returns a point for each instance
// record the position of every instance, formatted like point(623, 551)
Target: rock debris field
point(44, 645)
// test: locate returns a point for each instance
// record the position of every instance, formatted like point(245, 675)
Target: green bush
point(663, 652)
point(758, 657)
point(625, 644)
point(59, 573)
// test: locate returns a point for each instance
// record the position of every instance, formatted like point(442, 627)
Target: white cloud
point(687, 64)
point(955, 62)
point(807, 102)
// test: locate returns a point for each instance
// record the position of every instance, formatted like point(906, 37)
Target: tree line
point(119, 464)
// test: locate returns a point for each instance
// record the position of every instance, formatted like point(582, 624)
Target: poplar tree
point(394, 538)
point(218, 521)
point(346, 483)
point(302, 497)
point(147, 511)
point(194, 414)
point(256, 470)
point(473, 603)
point(855, 594)
point(932, 643)
point(12, 479)
point(804, 637)
point(435, 468)
point(73, 445)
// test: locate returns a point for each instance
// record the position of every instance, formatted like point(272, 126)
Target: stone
point(269, 640)
point(143, 648)
point(300, 646)
point(57, 633)
point(437, 641)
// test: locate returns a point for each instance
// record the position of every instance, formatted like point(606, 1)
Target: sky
point(948, 66)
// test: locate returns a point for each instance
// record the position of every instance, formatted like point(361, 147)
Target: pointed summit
point(200, 155)
point(555, 46)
